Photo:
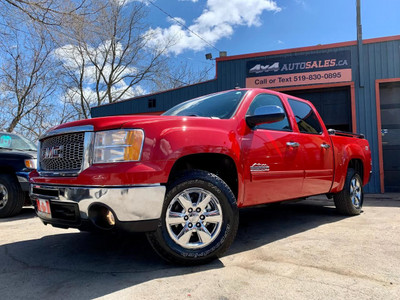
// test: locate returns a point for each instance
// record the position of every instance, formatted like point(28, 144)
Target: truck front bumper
point(133, 208)
point(23, 179)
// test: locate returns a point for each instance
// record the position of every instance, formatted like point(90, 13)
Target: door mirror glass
point(265, 115)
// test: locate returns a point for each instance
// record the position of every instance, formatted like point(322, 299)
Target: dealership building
point(354, 85)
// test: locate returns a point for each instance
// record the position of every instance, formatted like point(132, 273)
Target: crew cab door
point(272, 160)
point(317, 150)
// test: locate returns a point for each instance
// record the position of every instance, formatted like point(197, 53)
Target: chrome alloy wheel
point(194, 218)
point(3, 196)
point(356, 192)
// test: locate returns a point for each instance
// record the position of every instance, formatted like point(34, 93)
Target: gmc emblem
point(53, 152)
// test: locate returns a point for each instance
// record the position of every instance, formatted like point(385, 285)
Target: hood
point(18, 154)
point(132, 121)
point(113, 122)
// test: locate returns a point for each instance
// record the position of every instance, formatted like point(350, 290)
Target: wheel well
point(7, 170)
point(219, 164)
point(358, 166)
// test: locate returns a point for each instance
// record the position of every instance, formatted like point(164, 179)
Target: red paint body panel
point(286, 176)
point(293, 172)
point(346, 149)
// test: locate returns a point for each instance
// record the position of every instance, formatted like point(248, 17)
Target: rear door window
point(306, 119)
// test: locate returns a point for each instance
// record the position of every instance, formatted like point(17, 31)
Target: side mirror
point(265, 115)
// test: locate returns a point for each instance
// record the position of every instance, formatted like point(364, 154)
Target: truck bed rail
point(344, 133)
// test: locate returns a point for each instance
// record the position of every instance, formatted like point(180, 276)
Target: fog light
point(110, 218)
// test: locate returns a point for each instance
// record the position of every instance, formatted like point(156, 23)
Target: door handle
point(292, 144)
point(325, 146)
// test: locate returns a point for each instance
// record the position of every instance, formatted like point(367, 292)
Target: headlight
point(118, 145)
point(31, 163)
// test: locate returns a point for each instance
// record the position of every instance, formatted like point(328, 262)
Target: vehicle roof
point(273, 92)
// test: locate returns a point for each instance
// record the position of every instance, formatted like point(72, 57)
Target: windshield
point(221, 105)
point(15, 142)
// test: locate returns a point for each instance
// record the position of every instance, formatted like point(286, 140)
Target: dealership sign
point(299, 70)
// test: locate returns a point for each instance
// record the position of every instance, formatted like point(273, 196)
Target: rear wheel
point(199, 220)
point(12, 197)
point(350, 200)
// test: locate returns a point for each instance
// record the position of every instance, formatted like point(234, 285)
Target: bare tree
point(26, 78)
point(28, 84)
point(44, 117)
point(176, 75)
point(107, 54)
point(108, 57)
point(48, 12)
point(73, 80)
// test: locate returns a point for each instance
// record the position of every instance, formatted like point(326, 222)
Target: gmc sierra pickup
point(182, 176)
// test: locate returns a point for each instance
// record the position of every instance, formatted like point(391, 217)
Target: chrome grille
point(62, 152)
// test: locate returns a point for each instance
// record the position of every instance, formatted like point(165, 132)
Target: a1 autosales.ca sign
point(299, 70)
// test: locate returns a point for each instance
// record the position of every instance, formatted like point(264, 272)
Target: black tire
point(207, 239)
point(12, 198)
point(349, 201)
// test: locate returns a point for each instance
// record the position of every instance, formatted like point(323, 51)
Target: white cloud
point(69, 55)
point(176, 20)
point(301, 2)
point(217, 21)
point(126, 2)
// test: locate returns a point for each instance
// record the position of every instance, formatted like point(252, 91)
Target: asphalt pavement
point(297, 250)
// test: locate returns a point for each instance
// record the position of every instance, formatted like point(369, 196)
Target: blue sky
point(247, 26)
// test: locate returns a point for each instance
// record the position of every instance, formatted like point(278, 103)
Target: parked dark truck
point(182, 176)
point(17, 160)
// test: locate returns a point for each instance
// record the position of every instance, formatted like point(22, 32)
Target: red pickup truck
point(182, 176)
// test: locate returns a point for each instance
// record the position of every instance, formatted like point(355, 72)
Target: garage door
point(390, 116)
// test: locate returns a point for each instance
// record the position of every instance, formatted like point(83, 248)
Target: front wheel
point(12, 197)
point(349, 201)
point(199, 220)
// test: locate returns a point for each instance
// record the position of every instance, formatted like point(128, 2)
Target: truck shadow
point(77, 264)
point(26, 213)
point(260, 226)
point(382, 200)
